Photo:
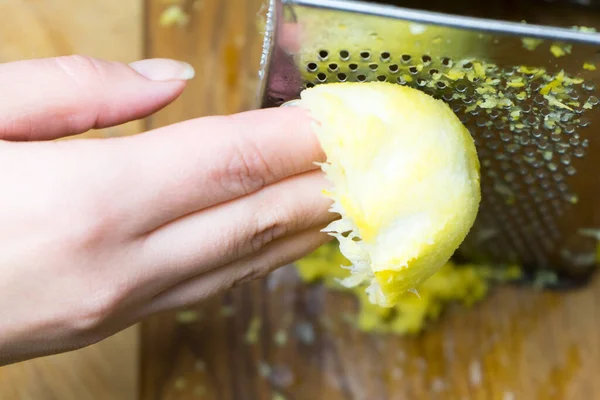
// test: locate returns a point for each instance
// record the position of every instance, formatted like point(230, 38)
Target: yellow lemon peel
point(406, 182)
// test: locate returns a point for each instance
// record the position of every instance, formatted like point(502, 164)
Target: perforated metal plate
point(526, 93)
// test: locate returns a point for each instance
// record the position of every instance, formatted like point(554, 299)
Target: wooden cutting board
point(518, 344)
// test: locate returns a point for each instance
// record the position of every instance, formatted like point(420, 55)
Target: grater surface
point(527, 93)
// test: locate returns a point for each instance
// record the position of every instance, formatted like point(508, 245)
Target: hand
point(97, 234)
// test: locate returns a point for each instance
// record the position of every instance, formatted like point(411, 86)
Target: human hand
point(99, 233)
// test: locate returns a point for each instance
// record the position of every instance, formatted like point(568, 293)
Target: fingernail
point(163, 69)
point(291, 103)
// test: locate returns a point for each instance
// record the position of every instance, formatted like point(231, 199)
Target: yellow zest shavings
point(251, 336)
point(589, 66)
point(560, 50)
point(453, 283)
point(531, 43)
point(174, 15)
point(584, 29)
point(187, 316)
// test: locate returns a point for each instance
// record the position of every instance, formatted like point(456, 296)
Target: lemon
point(405, 180)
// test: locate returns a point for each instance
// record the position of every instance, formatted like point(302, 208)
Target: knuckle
point(246, 169)
point(271, 224)
point(94, 223)
point(248, 275)
point(95, 308)
point(88, 77)
point(81, 69)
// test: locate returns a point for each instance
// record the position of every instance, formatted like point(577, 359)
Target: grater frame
point(540, 199)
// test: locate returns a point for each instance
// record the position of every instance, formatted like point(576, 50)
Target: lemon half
point(405, 181)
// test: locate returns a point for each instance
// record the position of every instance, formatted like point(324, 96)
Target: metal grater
point(536, 128)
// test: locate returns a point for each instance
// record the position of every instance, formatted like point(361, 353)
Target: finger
point(54, 97)
point(211, 238)
point(180, 169)
point(277, 254)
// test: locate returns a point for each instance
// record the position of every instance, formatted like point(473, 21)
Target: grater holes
point(461, 88)
point(457, 108)
point(426, 59)
point(447, 95)
point(529, 179)
point(321, 77)
point(542, 143)
point(312, 67)
point(529, 151)
point(550, 195)
point(323, 55)
point(493, 113)
point(487, 134)
point(499, 125)
point(558, 177)
point(530, 120)
point(579, 152)
point(555, 136)
point(505, 136)
point(562, 187)
point(565, 159)
point(310, 85)
point(588, 86)
point(545, 184)
point(365, 55)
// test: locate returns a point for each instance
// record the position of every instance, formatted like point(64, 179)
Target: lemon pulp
point(405, 181)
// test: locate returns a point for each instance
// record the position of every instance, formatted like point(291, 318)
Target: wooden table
point(518, 344)
point(110, 29)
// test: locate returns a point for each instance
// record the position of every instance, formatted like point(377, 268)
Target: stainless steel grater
point(527, 93)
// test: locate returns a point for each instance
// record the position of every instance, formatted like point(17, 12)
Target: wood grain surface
point(110, 29)
point(518, 344)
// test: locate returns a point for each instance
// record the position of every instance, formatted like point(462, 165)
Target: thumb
point(50, 98)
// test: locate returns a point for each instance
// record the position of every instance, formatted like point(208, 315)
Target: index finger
point(183, 168)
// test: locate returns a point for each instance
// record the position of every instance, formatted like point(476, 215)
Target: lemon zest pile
point(466, 285)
